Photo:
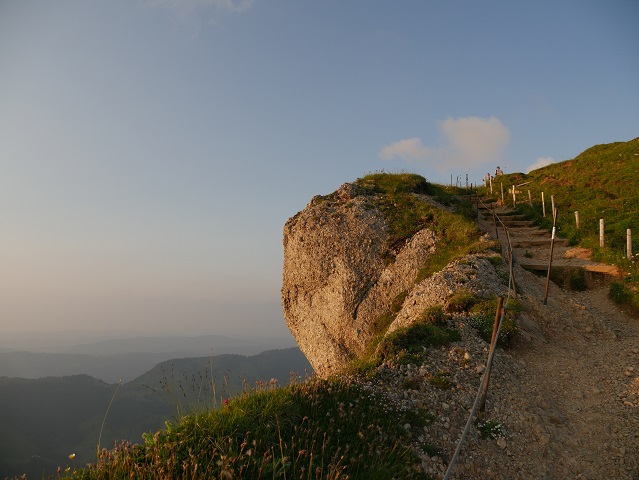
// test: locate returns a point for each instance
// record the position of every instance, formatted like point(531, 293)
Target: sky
point(151, 151)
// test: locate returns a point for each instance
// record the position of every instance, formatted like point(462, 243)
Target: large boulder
point(341, 274)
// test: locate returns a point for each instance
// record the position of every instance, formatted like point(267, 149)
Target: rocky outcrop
point(347, 279)
point(337, 278)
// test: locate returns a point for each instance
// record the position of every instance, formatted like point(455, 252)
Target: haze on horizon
point(151, 151)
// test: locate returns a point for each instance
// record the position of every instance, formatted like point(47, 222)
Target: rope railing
point(480, 398)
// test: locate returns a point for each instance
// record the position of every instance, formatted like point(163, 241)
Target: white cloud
point(408, 149)
point(539, 163)
point(474, 140)
point(467, 142)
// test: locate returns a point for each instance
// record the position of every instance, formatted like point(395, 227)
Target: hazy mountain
point(125, 359)
point(44, 420)
point(202, 345)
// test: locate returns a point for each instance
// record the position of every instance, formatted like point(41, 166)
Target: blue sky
point(152, 150)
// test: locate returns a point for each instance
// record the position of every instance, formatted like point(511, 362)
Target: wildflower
point(72, 456)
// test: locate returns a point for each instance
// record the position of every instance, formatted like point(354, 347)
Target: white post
point(529, 198)
point(491, 185)
point(629, 244)
point(543, 204)
point(552, 202)
point(502, 193)
point(577, 219)
point(601, 232)
point(514, 199)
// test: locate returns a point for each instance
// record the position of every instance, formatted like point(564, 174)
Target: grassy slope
point(601, 182)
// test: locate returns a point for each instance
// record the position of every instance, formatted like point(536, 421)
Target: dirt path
point(568, 395)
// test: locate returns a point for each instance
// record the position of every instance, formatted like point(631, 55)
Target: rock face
point(336, 281)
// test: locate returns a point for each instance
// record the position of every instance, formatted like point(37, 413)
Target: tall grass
point(326, 429)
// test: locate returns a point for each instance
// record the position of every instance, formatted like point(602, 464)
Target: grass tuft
point(409, 344)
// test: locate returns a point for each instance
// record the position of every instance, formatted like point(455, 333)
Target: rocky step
point(530, 232)
point(564, 242)
point(485, 206)
point(511, 217)
point(516, 223)
point(526, 232)
point(594, 268)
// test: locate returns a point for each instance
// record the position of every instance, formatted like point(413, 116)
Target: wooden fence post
point(552, 203)
point(529, 198)
point(629, 244)
point(543, 204)
point(577, 219)
point(514, 198)
point(552, 246)
point(491, 185)
point(502, 192)
point(601, 232)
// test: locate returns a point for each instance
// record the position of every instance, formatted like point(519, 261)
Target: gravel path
point(569, 396)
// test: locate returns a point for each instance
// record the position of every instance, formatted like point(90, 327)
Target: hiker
point(498, 171)
point(487, 178)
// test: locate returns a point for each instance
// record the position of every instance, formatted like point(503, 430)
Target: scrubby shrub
point(411, 383)
point(441, 380)
point(434, 315)
point(398, 302)
point(408, 344)
point(577, 281)
point(382, 322)
point(461, 301)
point(483, 320)
point(620, 293)
point(490, 429)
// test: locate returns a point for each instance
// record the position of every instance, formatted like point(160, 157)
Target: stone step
point(594, 268)
point(563, 242)
point(517, 223)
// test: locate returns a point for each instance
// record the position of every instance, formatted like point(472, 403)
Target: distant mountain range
point(43, 421)
point(127, 358)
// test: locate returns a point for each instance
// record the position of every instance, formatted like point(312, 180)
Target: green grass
point(601, 182)
point(490, 429)
point(434, 315)
point(624, 293)
point(441, 380)
point(317, 429)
